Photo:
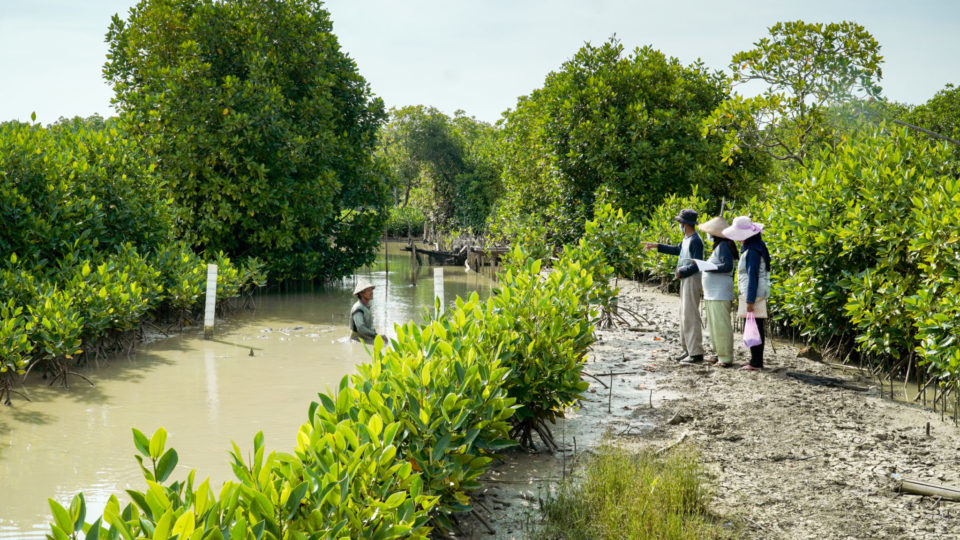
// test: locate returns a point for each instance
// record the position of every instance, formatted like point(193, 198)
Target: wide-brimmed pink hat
point(742, 229)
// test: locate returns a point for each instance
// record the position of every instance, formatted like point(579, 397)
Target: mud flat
point(801, 450)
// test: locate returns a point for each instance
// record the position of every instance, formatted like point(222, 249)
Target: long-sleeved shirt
point(361, 322)
point(754, 270)
point(718, 284)
point(691, 247)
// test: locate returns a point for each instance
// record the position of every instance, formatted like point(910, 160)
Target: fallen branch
point(481, 520)
point(592, 376)
point(673, 444)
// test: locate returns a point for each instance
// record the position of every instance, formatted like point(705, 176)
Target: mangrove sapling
point(544, 324)
point(15, 347)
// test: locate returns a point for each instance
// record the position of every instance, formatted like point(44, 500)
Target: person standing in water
point(361, 319)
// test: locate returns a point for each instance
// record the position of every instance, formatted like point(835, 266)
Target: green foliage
point(446, 168)
point(56, 330)
point(661, 227)
point(405, 219)
point(806, 68)
point(261, 126)
point(629, 124)
point(445, 387)
point(15, 347)
point(544, 329)
point(90, 239)
point(941, 114)
point(632, 495)
point(615, 236)
point(863, 238)
point(934, 308)
point(184, 276)
point(70, 189)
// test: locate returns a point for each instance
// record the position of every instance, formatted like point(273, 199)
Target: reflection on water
point(205, 393)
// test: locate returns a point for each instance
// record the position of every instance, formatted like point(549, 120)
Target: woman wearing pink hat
point(753, 279)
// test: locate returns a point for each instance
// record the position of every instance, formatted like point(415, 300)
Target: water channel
point(205, 393)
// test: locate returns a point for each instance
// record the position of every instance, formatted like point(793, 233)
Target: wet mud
point(786, 456)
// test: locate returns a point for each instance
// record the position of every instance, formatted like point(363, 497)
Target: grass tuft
point(625, 494)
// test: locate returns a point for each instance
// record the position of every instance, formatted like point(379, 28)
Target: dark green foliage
point(260, 125)
point(443, 167)
point(89, 248)
point(628, 124)
point(862, 239)
point(73, 190)
point(404, 220)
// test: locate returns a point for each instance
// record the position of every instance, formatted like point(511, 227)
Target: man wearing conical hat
point(361, 319)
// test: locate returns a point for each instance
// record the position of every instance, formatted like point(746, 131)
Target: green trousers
point(720, 328)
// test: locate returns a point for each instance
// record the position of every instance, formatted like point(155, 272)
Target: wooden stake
point(610, 395)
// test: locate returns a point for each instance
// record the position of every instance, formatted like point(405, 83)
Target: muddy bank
point(800, 450)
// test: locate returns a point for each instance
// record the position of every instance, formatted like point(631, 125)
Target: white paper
point(705, 265)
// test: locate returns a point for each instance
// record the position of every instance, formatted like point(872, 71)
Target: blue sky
point(480, 56)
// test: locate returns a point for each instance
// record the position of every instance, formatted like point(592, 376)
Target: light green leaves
point(807, 68)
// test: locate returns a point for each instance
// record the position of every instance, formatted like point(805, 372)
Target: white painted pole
point(211, 305)
point(438, 287)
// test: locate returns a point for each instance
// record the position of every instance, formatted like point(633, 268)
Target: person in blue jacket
point(718, 291)
point(690, 248)
point(753, 279)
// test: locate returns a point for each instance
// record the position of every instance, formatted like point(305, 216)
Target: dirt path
point(788, 458)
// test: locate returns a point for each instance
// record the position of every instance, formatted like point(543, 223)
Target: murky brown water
point(205, 393)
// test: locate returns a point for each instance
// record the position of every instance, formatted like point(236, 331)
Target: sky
point(480, 56)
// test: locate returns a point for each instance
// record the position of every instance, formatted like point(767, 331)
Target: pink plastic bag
point(751, 334)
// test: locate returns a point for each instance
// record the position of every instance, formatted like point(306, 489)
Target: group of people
point(714, 281)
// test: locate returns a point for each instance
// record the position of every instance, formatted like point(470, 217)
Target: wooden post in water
point(211, 304)
point(438, 288)
point(386, 251)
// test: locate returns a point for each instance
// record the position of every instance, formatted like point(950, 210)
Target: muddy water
point(205, 393)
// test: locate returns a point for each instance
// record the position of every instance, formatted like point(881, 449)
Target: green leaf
point(140, 500)
point(166, 465)
point(441, 447)
point(293, 503)
point(78, 512)
point(93, 533)
point(60, 516)
point(157, 443)
point(162, 531)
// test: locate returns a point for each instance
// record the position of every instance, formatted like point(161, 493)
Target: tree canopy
point(629, 123)
point(446, 167)
point(806, 68)
point(261, 126)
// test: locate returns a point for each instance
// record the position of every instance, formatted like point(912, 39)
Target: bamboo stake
point(920, 487)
